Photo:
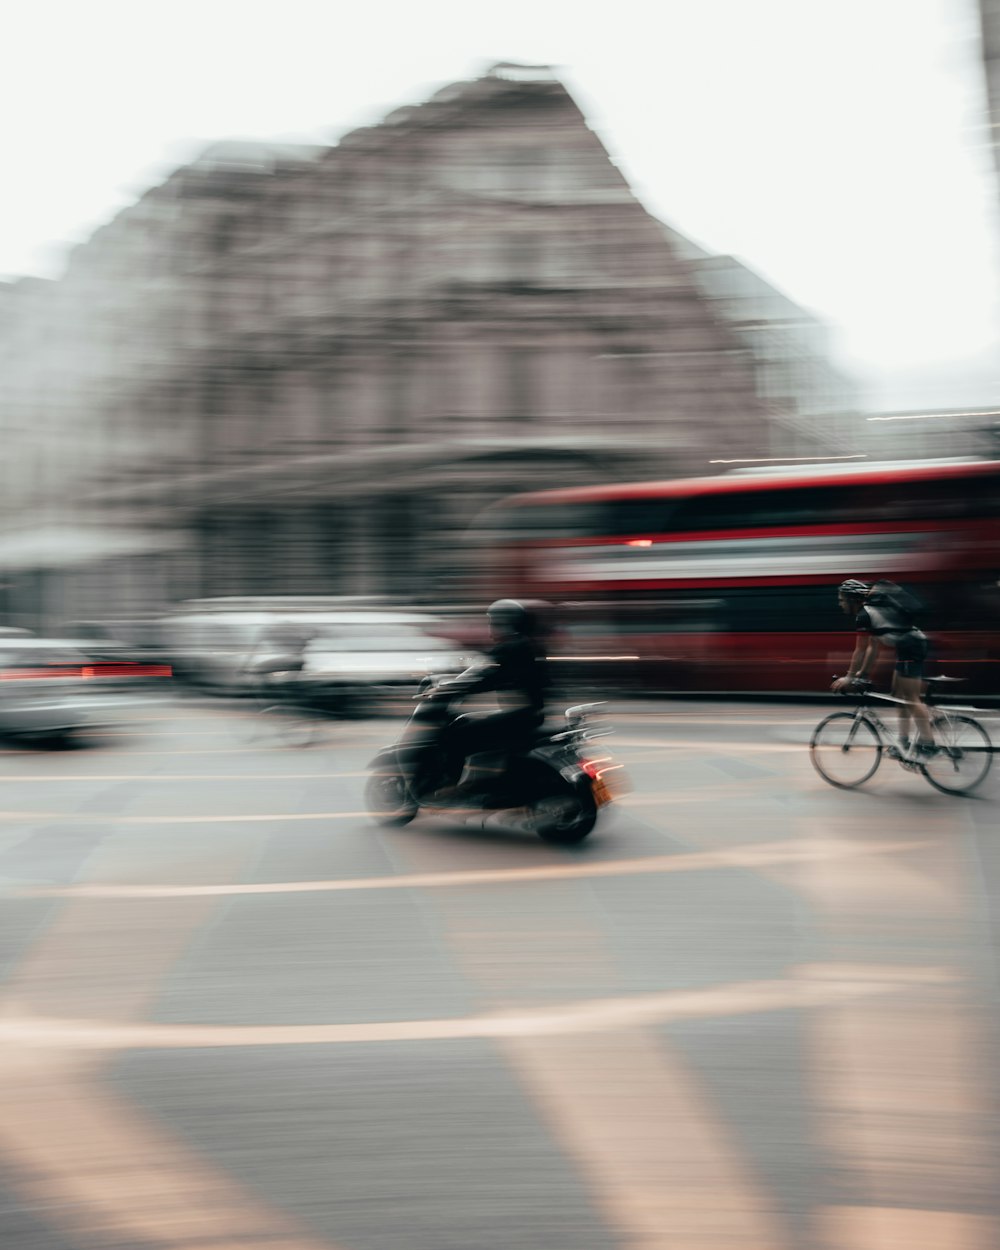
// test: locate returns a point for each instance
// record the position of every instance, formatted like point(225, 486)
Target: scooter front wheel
point(388, 800)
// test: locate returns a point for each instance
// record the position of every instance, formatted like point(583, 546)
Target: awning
point(66, 546)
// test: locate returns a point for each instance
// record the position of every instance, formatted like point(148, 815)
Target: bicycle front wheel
point(291, 726)
point(963, 756)
point(845, 750)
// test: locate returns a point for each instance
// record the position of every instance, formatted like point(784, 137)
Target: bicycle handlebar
point(855, 685)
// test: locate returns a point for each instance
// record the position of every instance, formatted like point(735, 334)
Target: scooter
point(554, 789)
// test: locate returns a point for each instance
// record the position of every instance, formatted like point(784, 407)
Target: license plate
point(610, 783)
point(601, 793)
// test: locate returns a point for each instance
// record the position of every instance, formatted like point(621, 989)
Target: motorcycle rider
point(516, 669)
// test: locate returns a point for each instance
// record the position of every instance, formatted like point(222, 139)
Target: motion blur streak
point(910, 1228)
point(905, 1124)
point(696, 861)
point(112, 1177)
point(811, 989)
point(93, 1163)
point(901, 1110)
point(656, 1153)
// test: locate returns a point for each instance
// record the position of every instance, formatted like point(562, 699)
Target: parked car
point(52, 692)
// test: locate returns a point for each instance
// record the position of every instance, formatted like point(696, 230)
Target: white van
point(220, 645)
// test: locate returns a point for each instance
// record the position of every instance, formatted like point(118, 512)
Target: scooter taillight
point(594, 768)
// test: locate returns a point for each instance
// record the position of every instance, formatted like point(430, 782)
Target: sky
point(838, 147)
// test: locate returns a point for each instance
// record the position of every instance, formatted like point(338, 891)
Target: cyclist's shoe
point(928, 749)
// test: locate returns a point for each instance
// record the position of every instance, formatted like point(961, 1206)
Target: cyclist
point(881, 622)
point(278, 657)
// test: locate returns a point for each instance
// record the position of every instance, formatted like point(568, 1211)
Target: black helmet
point(510, 616)
point(853, 588)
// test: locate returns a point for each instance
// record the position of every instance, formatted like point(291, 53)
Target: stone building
point(306, 370)
point(989, 30)
point(809, 403)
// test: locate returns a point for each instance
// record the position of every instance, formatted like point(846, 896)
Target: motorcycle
point(554, 789)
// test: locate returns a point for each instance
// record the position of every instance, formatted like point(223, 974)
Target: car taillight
point(87, 671)
point(127, 670)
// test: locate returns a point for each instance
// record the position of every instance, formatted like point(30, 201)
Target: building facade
point(306, 370)
point(809, 403)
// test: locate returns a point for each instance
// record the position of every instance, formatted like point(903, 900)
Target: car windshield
point(35, 653)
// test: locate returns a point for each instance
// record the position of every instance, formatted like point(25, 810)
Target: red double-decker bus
point(729, 583)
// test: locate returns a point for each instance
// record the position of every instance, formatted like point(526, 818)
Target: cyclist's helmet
point(853, 588)
point(509, 616)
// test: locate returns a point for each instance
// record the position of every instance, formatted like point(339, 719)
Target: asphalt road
point(751, 1011)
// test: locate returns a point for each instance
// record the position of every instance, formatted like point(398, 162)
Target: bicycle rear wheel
point(845, 750)
point(963, 758)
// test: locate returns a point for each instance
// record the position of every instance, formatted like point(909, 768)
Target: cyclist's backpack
point(906, 607)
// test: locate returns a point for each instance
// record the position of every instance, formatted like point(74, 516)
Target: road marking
point(117, 818)
point(659, 1160)
point(638, 718)
point(910, 1228)
point(200, 751)
point(906, 1124)
point(727, 788)
point(696, 794)
point(57, 972)
point(654, 750)
point(241, 777)
point(749, 857)
point(902, 1116)
point(712, 745)
point(89, 1162)
point(613, 1100)
point(926, 887)
point(594, 1015)
point(225, 818)
point(220, 730)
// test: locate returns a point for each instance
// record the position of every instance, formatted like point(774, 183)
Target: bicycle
point(846, 748)
point(288, 710)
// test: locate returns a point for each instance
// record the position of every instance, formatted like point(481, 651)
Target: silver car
point(52, 692)
point(348, 653)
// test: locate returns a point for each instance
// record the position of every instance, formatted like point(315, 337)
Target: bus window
point(784, 609)
point(799, 505)
point(639, 517)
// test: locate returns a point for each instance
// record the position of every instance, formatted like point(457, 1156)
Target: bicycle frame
point(937, 712)
point(907, 756)
point(959, 737)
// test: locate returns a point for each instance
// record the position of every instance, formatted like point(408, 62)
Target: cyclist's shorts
point(911, 652)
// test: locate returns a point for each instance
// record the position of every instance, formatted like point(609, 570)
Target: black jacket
point(516, 669)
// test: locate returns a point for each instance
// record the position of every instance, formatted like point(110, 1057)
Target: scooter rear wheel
point(564, 818)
